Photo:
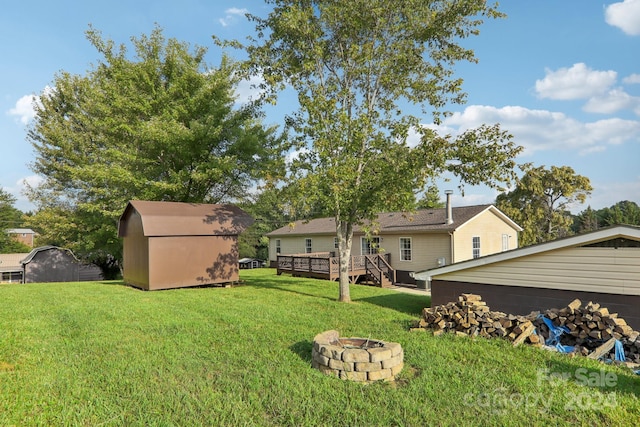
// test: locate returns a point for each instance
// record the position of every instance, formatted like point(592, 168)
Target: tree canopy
point(541, 200)
point(357, 67)
point(10, 217)
point(160, 124)
point(623, 212)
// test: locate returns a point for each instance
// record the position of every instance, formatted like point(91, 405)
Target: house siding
point(425, 250)
point(586, 269)
point(490, 228)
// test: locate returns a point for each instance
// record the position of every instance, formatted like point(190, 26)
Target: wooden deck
point(374, 268)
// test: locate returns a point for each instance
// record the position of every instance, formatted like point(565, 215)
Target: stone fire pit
point(356, 359)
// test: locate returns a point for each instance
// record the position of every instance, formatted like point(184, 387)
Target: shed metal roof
point(37, 250)
point(186, 219)
point(425, 220)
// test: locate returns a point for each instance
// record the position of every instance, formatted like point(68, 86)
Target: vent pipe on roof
point(449, 219)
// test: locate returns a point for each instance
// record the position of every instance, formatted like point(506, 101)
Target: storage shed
point(601, 266)
point(174, 245)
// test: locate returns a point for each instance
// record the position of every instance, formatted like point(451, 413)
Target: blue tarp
point(555, 332)
point(619, 354)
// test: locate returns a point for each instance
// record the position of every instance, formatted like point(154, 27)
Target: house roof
point(604, 234)
point(186, 219)
point(20, 231)
point(11, 262)
point(425, 220)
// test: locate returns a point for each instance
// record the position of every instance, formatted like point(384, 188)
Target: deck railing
point(320, 264)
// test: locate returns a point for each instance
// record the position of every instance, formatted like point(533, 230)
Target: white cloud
point(606, 195)
point(541, 130)
point(632, 79)
point(624, 15)
point(31, 180)
point(24, 109)
point(614, 100)
point(248, 90)
point(577, 82)
point(18, 191)
point(231, 16)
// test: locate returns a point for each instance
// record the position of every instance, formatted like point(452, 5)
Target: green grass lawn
point(107, 354)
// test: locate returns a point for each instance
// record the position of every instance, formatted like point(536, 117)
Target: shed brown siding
point(172, 245)
point(183, 261)
point(523, 300)
point(136, 255)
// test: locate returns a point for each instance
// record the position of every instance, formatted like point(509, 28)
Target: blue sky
point(562, 76)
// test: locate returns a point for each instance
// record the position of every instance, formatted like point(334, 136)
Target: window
point(476, 246)
point(505, 242)
point(405, 249)
point(278, 248)
point(307, 246)
point(370, 246)
point(335, 243)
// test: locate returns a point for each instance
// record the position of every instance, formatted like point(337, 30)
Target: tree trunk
point(344, 232)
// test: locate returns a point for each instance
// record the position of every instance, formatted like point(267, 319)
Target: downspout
point(452, 247)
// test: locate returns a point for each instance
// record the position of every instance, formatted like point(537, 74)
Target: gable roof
point(11, 262)
point(602, 235)
point(20, 231)
point(186, 219)
point(424, 220)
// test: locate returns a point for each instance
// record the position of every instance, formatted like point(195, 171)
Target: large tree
point(360, 68)
point(10, 217)
point(160, 124)
point(541, 201)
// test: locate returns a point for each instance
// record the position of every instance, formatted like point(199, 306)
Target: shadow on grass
point(303, 350)
point(282, 283)
point(404, 303)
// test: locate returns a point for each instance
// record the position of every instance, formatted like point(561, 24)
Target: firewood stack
point(592, 330)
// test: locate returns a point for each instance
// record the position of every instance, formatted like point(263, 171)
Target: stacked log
point(590, 329)
point(471, 316)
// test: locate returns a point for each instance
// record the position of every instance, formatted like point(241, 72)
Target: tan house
point(23, 235)
point(409, 241)
point(11, 268)
point(174, 245)
point(601, 266)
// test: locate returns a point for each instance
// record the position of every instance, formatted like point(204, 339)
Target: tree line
point(157, 122)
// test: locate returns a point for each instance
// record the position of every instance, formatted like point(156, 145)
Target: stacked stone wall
point(364, 364)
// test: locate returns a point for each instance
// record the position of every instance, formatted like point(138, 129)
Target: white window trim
point(372, 250)
point(473, 248)
point(278, 246)
point(505, 242)
point(308, 248)
point(402, 249)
